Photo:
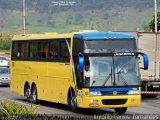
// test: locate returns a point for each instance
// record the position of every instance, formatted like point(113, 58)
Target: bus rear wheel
point(72, 102)
point(121, 111)
point(34, 94)
point(27, 91)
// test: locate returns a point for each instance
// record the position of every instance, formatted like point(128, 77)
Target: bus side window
point(14, 49)
point(58, 50)
point(20, 50)
point(33, 50)
point(54, 50)
point(24, 50)
point(64, 52)
point(46, 50)
point(43, 50)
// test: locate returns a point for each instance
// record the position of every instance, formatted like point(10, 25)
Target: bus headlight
point(133, 92)
point(95, 93)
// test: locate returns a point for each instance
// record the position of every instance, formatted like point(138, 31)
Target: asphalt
point(149, 105)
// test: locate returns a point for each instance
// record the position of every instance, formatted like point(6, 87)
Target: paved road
point(148, 106)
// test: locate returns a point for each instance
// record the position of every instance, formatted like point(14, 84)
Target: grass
point(12, 109)
point(6, 53)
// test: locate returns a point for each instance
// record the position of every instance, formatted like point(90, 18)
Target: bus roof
point(81, 35)
point(102, 35)
point(41, 36)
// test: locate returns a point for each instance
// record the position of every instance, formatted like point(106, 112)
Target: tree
point(152, 23)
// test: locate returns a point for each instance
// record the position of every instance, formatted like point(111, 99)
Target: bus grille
point(118, 93)
point(114, 101)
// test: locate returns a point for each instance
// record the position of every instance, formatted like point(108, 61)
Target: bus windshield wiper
point(107, 78)
point(119, 73)
point(93, 82)
point(120, 77)
point(123, 79)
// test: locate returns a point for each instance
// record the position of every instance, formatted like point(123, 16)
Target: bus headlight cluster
point(95, 93)
point(133, 92)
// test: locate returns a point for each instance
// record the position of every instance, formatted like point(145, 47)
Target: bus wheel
point(72, 102)
point(27, 91)
point(34, 94)
point(121, 111)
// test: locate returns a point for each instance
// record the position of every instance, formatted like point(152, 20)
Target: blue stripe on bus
point(111, 89)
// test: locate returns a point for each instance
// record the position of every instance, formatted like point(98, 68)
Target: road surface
point(148, 106)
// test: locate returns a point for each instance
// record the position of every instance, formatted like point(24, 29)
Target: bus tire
point(34, 94)
point(71, 102)
point(27, 91)
point(121, 111)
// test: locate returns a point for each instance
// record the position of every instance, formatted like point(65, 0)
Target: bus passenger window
point(43, 50)
point(54, 50)
point(58, 50)
point(64, 52)
point(46, 50)
point(16, 49)
point(20, 50)
point(33, 50)
point(24, 50)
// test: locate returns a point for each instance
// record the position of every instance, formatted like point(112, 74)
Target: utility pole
point(24, 18)
point(157, 42)
point(155, 14)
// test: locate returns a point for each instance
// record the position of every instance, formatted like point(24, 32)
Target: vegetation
point(5, 42)
point(104, 15)
point(151, 24)
point(47, 6)
point(11, 109)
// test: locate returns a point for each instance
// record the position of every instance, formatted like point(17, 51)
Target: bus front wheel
point(72, 102)
point(120, 111)
point(34, 94)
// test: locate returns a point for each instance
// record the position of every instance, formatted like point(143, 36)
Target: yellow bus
point(87, 69)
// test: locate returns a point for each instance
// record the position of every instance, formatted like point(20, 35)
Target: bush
point(5, 42)
point(11, 109)
point(5, 45)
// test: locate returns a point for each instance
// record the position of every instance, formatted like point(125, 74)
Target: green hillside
point(104, 15)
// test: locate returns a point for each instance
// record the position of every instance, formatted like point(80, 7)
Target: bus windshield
point(113, 71)
point(106, 46)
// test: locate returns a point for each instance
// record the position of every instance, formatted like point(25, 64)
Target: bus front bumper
point(110, 101)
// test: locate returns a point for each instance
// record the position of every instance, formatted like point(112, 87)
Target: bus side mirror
point(81, 62)
point(145, 61)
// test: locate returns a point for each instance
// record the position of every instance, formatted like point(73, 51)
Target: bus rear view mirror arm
point(145, 60)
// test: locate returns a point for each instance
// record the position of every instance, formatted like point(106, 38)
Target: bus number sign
point(124, 54)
